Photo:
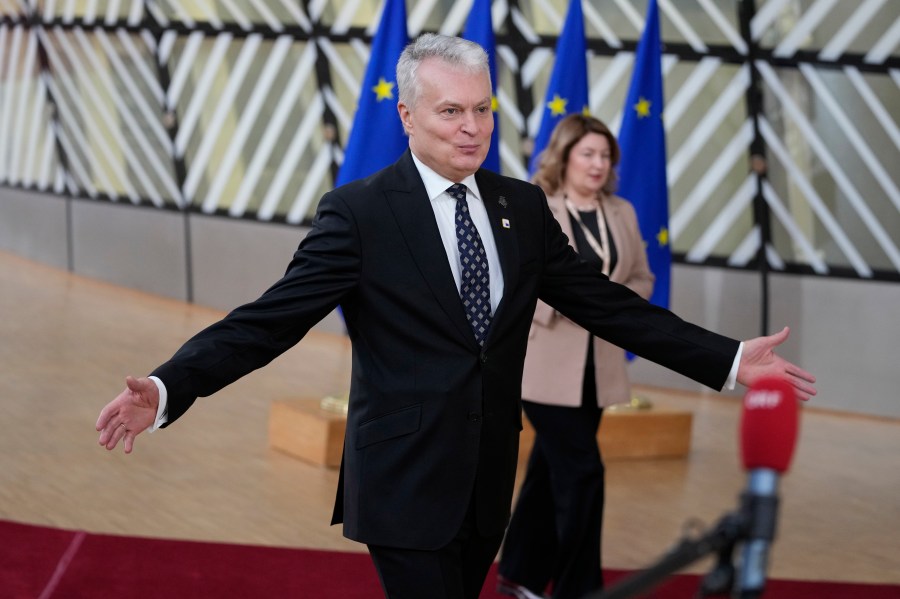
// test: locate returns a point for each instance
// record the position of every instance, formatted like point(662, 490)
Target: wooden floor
point(66, 344)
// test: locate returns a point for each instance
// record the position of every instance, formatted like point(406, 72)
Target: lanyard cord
point(600, 248)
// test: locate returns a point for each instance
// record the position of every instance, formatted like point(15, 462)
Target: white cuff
point(162, 414)
point(732, 376)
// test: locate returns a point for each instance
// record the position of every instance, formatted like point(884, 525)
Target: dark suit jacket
point(433, 419)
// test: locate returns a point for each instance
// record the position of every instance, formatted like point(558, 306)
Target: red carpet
point(43, 563)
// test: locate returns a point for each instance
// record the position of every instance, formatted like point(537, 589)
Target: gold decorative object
point(335, 404)
point(637, 402)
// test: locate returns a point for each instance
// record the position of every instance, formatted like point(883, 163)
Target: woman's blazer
point(557, 347)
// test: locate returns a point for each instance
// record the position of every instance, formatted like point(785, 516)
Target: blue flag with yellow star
point(568, 88)
point(479, 29)
point(377, 138)
point(642, 169)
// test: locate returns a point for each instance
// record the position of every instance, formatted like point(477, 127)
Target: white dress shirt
point(444, 206)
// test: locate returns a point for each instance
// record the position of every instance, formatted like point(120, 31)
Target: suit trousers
point(554, 535)
point(455, 571)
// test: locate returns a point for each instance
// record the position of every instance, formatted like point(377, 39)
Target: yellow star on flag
point(494, 103)
point(663, 237)
point(642, 107)
point(384, 90)
point(586, 111)
point(557, 106)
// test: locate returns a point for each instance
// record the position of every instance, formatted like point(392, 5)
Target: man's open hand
point(132, 412)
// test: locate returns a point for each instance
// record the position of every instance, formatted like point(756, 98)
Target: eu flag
point(377, 138)
point(568, 89)
point(642, 170)
point(479, 29)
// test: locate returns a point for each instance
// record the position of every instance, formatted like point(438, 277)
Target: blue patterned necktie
point(474, 289)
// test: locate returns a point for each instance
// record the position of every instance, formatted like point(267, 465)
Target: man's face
point(450, 125)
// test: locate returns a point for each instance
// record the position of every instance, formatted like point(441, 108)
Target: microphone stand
point(720, 580)
point(720, 539)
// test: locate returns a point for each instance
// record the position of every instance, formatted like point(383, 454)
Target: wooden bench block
point(656, 432)
point(301, 428)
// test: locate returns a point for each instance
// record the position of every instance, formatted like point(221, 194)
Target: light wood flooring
point(67, 342)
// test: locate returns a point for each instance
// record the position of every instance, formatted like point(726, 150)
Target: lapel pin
point(503, 201)
point(505, 223)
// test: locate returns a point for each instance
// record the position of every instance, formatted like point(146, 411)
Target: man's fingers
point(108, 435)
point(136, 385)
point(781, 336)
point(108, 438)
point(802, 381)
point(796, 371)
point(804, 390)
point(118, 433)
point(113, 408)
point(112, 423)
point(106, 414)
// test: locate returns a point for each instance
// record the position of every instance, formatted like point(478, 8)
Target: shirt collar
point(436, 184)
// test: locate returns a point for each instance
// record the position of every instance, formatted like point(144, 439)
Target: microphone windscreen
point(769, 422)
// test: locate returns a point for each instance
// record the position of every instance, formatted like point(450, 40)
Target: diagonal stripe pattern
point(474, 288)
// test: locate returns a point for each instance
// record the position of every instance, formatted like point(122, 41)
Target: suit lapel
point(502, 215)
point(408, 201)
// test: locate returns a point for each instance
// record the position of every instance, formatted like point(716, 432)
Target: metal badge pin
point(505, 223)
point(503, 201)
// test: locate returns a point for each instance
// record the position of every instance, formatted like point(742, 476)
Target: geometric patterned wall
point(782, 116)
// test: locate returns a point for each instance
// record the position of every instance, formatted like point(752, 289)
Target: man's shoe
point(507, 587)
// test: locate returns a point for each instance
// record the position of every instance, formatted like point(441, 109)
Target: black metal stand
point(720, 540)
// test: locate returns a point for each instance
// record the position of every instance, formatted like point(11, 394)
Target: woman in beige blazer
point(554, 535)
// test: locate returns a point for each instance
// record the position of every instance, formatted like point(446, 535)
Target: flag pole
point(758, 160)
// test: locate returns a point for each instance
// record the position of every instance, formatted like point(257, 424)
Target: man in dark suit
point(437, 284)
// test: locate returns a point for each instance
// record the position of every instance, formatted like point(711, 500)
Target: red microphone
point(769, 423)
